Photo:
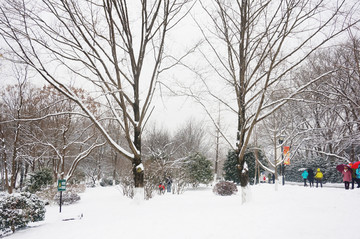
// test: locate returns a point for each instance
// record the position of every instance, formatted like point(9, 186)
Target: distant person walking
point(347, 177)
point(311, 177)
point(319, 177)
point(358, 177)
point(305, 175)
point(161, 189)
point(168, 184)
point(353, 178)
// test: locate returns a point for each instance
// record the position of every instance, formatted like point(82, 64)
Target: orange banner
point(286, 155)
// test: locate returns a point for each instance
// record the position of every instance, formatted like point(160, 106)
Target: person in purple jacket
point(347, 177)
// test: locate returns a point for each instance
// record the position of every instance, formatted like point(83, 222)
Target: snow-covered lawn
point(291, 212)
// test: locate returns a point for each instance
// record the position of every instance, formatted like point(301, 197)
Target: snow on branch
point(80, 157)
point(279, 103)
point(43, 117)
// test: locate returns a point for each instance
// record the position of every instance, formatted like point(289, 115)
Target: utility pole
point(275, 161)
point(217, 146)
point(281, 141)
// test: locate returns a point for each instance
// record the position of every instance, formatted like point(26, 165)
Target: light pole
point(281, 141)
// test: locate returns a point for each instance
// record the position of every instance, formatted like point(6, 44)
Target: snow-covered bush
point(37, 212)
point(16, 211)
point(51, 194)
point(47, 195)
point(39, 180)
point(76, 188)
point(106, 182)
point(150, 186)
point(68, 197)
point(225, 188)
point(127, 186)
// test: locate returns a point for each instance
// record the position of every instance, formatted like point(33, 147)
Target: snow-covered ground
point(291, 212)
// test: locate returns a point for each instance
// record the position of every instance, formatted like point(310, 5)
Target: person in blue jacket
point(353, 178)
point(305, 175)
point(358, 177)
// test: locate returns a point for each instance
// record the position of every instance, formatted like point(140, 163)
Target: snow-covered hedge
point(68, 197)
point(17, 210)
point(106, 182)
point(225, 188)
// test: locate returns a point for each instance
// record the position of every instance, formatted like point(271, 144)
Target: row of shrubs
point(17, 210)
point(223, 188)
point(43, 178)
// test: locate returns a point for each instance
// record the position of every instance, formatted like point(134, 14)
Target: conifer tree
point(200, 170)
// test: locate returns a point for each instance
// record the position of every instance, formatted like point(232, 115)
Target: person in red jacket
point(161, 188)
point(347, 177)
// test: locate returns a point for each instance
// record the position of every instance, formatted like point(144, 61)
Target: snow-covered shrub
point(48, 194)
point(76, 188)
point(127, 186)
point(150, 186)
point(68, 197)
point(39, 180)
point(51, 194)
point(37, 212)
point(16, 211)
point(225, 188)
point(178, 186)
point(106, 182)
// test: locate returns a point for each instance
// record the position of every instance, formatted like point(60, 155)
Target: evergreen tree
point(199, 170)
point(230, 169)
point(39, 179)
point(250, 161)
point(327, 167)
point(230, 165)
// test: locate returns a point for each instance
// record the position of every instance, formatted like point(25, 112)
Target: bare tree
point(330, 113)
point(168, 156)
point(273, 133)
point(14, 100)
point(114, 46)
point(191, 138)
point(255, 46)
point(68, 137)
point(36, 128)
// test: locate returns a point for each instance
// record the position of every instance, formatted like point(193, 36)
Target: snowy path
point(292, 212)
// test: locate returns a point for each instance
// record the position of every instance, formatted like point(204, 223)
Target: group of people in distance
point(168, 183)
point(308, 174)
point(349, 176)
